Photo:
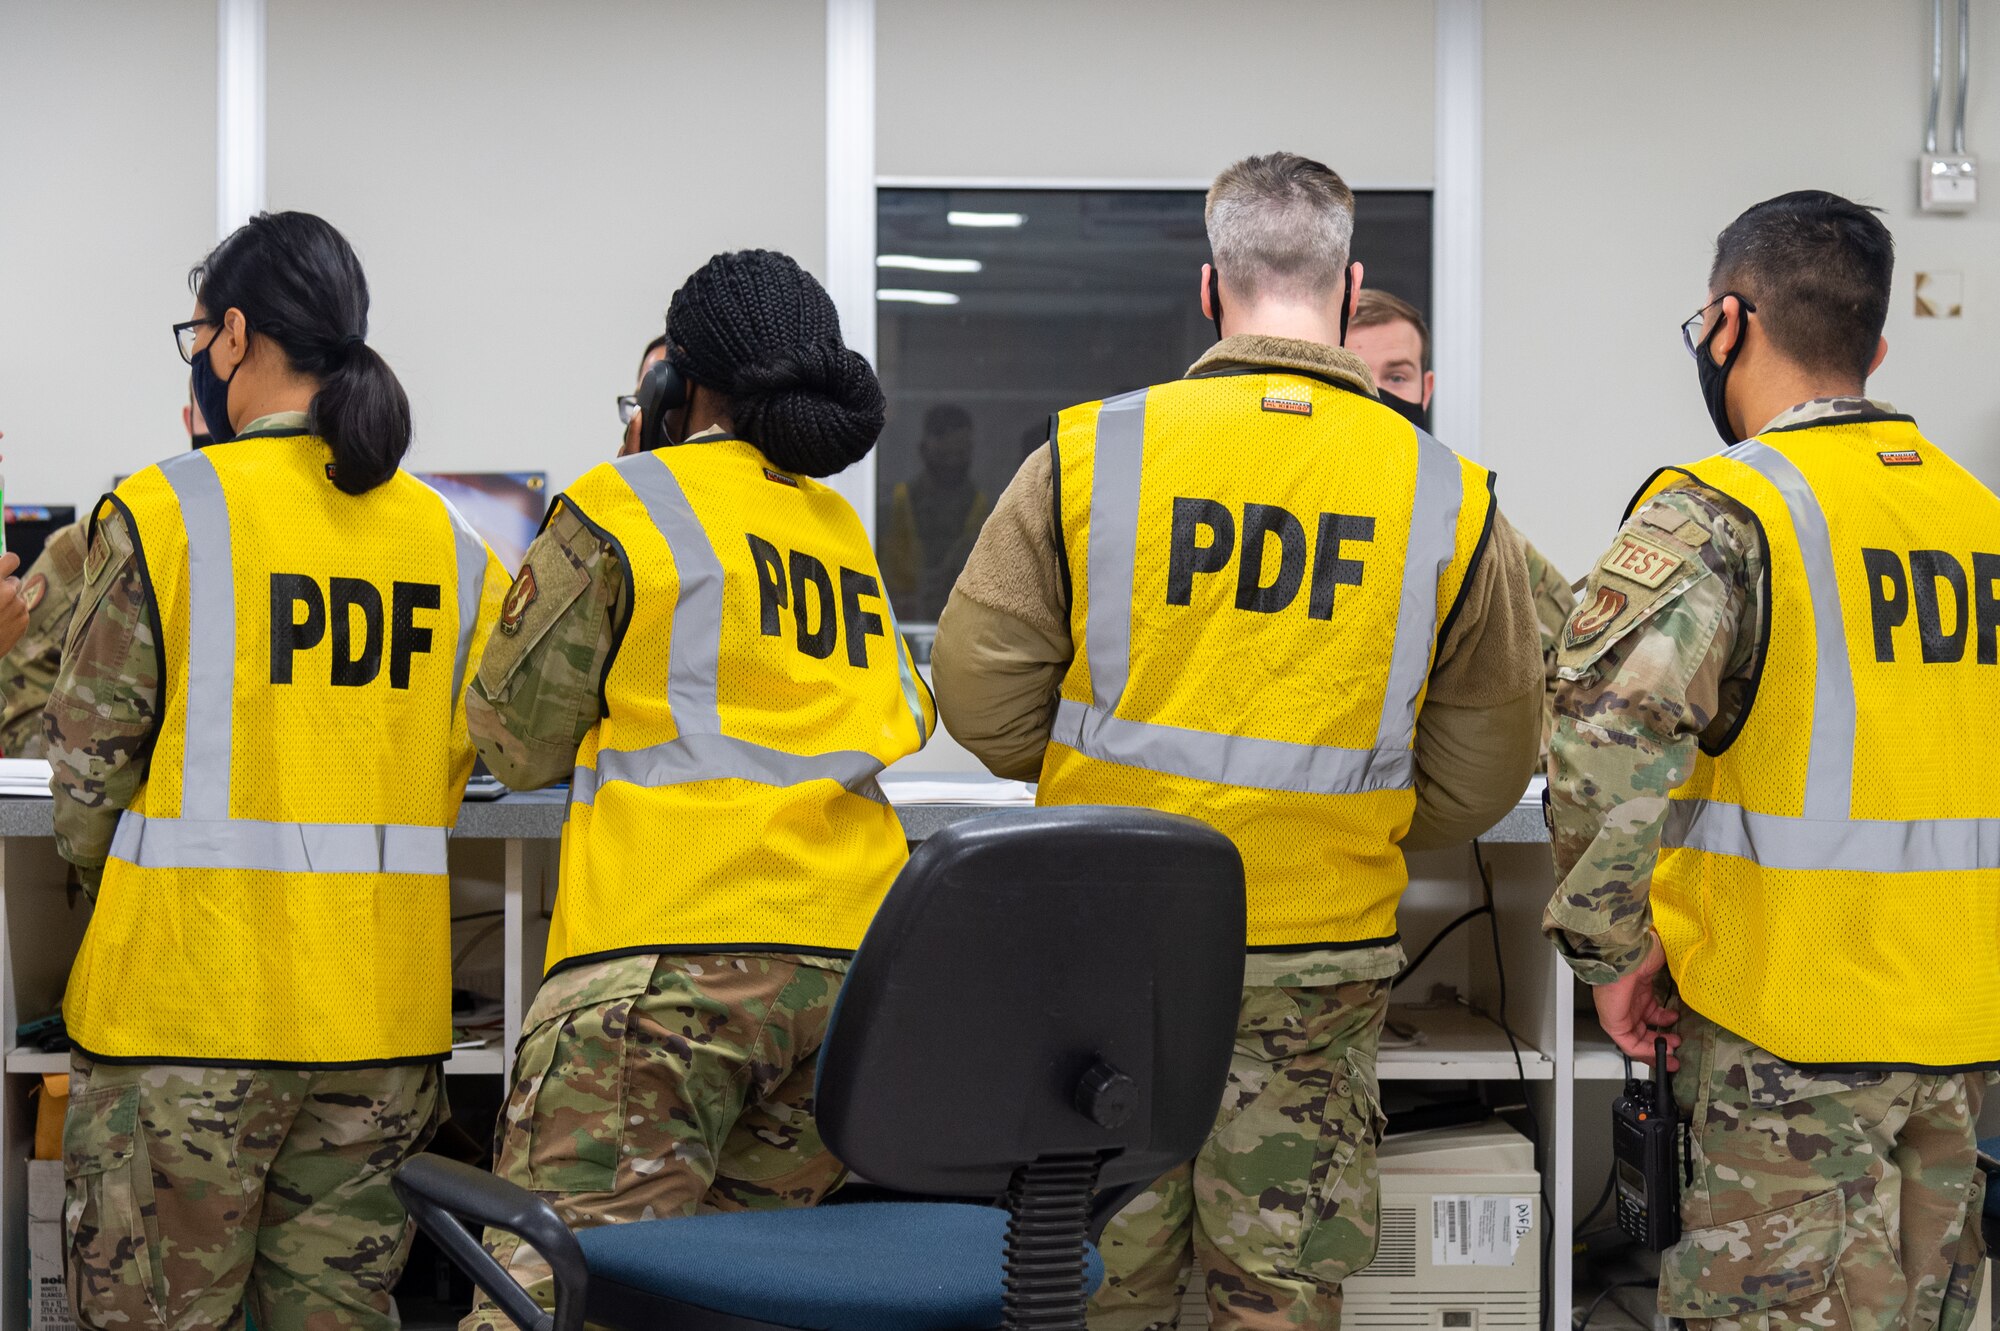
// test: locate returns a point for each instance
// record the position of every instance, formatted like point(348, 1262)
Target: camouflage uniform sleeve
point(50, 591)
point(105, 703)
point(1659, 652)
point(536, 694)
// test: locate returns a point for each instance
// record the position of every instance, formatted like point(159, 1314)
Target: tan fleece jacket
point(1003, 642)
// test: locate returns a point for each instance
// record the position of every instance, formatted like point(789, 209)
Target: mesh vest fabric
point(276, 892)
point(727, 798)
point(1829, 880)
point(1261, 566)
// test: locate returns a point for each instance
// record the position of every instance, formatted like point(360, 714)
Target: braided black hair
point(756, 328)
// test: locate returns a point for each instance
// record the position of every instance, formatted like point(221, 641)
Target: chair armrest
point(441, 1194)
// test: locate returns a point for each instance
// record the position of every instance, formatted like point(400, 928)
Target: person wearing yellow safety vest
point(258, 752)
point(1771, 789)
point(701, 644)
point(1257, 596)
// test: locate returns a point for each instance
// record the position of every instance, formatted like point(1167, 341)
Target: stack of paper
point(945, 788)
point(24, 776)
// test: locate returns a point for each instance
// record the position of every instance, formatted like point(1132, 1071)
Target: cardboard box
point(48, 1301)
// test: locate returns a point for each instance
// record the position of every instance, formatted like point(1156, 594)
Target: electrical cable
point(1520, 1066)
point(1937, 72)
point(1607, 1292)
point(1964, 73)
point(1597, 1209)
point(473, 942)
point(1431, 946)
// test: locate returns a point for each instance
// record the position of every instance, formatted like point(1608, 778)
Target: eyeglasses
point(1694, 329)
point(628, 407)
point(184, 336)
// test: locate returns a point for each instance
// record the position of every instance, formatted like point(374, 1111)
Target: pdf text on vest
point(1204, 538)
point(1898, 583)
point(803, 584)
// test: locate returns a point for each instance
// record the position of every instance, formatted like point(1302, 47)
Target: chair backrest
point(1048, 983)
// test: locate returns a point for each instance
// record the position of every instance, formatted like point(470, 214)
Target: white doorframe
point(1456, 307)
point(850, 203)
point(239, 113)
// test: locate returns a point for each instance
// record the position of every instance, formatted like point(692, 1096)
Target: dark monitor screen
point(29, 527)
point(505, 507)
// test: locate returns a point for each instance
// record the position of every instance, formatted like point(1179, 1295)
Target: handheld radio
point(1645, 1132)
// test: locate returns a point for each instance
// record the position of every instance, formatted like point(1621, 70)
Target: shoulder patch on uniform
point(1637, 559)
point(1663, 518)
point(519, 597)
point(1691, 533)
point(33, 590)
point(1591, 620)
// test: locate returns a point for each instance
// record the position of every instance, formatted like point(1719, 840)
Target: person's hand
point(1632, 1015)
point(13, 610)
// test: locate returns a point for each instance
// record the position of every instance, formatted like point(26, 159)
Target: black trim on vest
point(143, 758)
point(1728, 737)
point(618, 623)
point(296, 1065)
point(693, 950)
point(1055, 488)
point(1827, 422)
point(1358, 945)
point(1471, 566)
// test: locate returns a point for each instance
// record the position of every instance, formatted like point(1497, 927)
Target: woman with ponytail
point(699, 642)
point(259, 749)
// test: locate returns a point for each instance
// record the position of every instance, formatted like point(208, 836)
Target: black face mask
point(200, 440)
point(1416, 413)
point(1715, 378)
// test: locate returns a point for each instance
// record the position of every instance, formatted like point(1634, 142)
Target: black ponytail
point(756, 328)
point(298, 282)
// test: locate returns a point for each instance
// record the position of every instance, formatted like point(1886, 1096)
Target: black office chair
point(1039, 1019)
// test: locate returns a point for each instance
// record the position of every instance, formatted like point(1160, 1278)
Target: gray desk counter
point(538, 815)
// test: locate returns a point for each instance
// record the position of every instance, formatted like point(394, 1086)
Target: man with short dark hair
point(1771, 792)
point(1389, 334)
point(1257, 597)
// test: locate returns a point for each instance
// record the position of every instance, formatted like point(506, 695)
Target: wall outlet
point(1947, 184)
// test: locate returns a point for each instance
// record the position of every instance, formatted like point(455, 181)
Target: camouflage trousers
point(656, 1086)
point(1280, 1205)
point(193, 1193)
point(1823, 1200)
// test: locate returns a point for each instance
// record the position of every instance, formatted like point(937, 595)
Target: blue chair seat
point(872, 1266)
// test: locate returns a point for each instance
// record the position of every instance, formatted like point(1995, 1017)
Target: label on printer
point(1479, 1230)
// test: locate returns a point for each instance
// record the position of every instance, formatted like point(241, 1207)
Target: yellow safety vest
point(727, 801)
point(1829, 880)
point(276, 892)
point(1261, 567)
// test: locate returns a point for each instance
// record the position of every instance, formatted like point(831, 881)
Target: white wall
point(107, 196)
point(1168, 89)
point(1619, 139)
point(527, 184)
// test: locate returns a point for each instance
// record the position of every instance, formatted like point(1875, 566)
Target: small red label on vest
point(1290, 400)
point(1902, 457)
point(780, 478)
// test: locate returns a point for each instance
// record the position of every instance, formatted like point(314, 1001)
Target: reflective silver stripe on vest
point(211, 659)
point(911, 698)
point(722, 758)
point(693, 654)
point(205, 836)
point(1863, 845)
point(1230, 760)
point(471, 548)
point(243, 843)
point(702, 752)
point(1114, 544)
point(1432, 545)
point(1830, 758)
point(1257, 763)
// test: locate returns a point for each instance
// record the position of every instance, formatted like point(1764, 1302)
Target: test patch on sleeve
point(1639, 560)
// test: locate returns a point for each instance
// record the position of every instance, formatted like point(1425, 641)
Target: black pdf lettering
point(859, 624)
point(407, 637)
point(351, 669)
point(770, 584)
point(1330, 569)
point(1986, 607)
point(1187, 557)
point(289, 633)
point(817, 641)
point(1888, 598)
point(1260, 522)
point(1927, 567)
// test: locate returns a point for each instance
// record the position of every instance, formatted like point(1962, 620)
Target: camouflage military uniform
point(1554, 599)
point(197, 1193)
point(719, 1050)
point(1281, 1204)
point(1821, 1199)
point(50, 591)
point(192, 1189)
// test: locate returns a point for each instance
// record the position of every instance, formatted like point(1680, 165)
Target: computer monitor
point(505, 507)
point(29, 527)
